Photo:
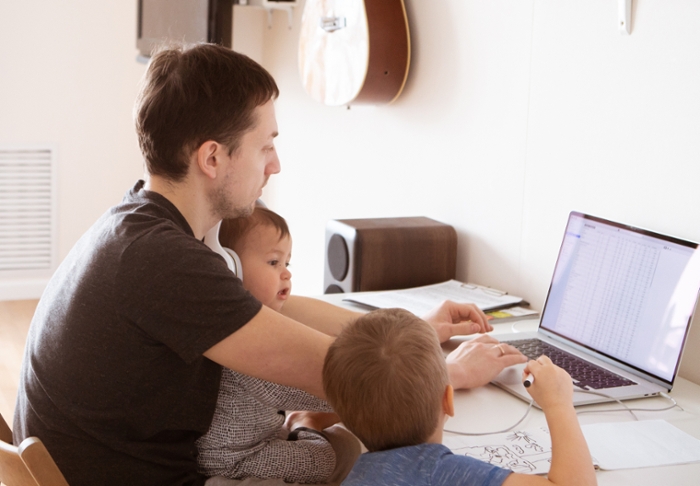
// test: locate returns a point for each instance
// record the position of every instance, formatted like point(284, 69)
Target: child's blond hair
point(385, 376)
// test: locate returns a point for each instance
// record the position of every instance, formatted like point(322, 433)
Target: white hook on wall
point(624, 16)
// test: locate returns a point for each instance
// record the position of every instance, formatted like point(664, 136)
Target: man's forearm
point(274, 348)
point(317, 314)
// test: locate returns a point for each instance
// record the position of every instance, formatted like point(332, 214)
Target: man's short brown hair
point(385, 376)
point(194, 93)
point(233, 230)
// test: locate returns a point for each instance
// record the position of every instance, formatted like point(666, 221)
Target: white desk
point(489, 408)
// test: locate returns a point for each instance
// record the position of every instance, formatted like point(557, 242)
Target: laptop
point(617, 313)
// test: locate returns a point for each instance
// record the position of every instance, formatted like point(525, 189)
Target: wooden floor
point(15, 317)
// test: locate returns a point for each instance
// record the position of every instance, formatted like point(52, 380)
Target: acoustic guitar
point(354, 51)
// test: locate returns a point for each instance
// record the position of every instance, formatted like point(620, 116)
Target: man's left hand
point(453, 319)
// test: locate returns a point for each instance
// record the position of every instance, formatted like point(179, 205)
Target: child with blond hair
point(385, 376)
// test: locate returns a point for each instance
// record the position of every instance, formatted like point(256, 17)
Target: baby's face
point(265, 257)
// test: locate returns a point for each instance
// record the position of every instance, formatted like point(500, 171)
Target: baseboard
point(22, 288)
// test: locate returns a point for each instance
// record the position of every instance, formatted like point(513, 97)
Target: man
point(124, 354)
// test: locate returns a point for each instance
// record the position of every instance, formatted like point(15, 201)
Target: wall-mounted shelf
point(270, 5)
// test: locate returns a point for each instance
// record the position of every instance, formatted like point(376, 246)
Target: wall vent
point(28, 239)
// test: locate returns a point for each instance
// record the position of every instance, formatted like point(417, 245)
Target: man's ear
point(207, 158)
point(448, 401)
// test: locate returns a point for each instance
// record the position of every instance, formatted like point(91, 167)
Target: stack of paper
point(421, 300)
point(511, 314)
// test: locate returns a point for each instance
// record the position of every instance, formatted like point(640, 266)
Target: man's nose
point(273, 166)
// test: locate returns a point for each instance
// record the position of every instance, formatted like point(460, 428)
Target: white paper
point(619, 445)
point(421, 300)
point(521, 451)
point(648, 443)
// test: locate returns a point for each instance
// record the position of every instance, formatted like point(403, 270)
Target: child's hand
point(312, 420)
point(552, 386)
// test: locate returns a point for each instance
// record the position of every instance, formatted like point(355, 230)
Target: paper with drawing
point(616, 445)
point(526, 452)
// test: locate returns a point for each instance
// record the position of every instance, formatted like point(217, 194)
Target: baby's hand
point(312, 420)
point(552, 386)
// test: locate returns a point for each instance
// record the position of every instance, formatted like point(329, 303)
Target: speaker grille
point(338, 257)
point(334, 289)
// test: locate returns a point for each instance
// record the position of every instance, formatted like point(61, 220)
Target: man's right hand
point(475, 363)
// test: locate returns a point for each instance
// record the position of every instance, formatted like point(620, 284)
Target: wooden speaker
point(388, 253)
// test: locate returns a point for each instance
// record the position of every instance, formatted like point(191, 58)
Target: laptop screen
point(624, 292)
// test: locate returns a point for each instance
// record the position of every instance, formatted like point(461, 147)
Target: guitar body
point(354, 51)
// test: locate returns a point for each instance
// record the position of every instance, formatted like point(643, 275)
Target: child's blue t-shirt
point(424, 464)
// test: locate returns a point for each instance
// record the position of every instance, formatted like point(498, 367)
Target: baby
point(248, 436)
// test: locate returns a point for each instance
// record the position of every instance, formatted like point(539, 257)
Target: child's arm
point(312, 420)
point(571, 461)
point(277, 396)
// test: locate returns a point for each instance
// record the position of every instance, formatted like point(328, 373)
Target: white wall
point(68, 77)
point(514, 113)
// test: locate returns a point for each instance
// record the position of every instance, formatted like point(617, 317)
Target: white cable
point(581, 412)
point(591, 392)
point(512, 326)
point(628, 409)
point(497, 431)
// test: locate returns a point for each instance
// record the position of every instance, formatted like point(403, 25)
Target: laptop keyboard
point(585, 375)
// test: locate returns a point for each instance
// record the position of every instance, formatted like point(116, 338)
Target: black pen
point(529, 380)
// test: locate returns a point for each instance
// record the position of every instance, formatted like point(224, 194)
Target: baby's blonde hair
point(234, 230)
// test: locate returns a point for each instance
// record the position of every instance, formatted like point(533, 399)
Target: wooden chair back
point(5, 431)
point(28, 464)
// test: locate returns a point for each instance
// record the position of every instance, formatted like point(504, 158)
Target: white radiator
point(28, 239)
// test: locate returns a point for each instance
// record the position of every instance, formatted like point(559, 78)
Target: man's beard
point(223, 207)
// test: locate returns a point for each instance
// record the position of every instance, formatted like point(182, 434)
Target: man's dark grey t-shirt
point(114, 381)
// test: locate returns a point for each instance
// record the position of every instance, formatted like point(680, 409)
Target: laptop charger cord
point(497, 431)
point(626, 408)
point(581, 412)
